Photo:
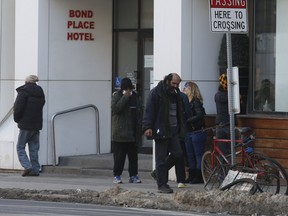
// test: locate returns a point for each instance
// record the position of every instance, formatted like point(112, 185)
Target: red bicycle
point(215, 165)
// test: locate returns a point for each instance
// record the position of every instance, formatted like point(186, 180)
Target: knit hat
point(126, 83)
point(223, 81)
point(31, 79)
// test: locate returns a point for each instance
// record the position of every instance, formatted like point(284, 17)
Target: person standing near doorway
point(126, 120)
point(163, 121)
point(28, 114)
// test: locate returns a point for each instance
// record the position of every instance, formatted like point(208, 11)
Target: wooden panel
point(271, 143)
point(263, 122)
point(273, 153)
point(271, 135)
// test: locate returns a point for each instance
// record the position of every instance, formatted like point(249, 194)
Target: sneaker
point(182, 185)
point(154, 175)
point(26, 172)
point(165, 189)
point(134, 179)
point(117, 180)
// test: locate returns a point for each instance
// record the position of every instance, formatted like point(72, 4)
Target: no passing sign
point(228, 16)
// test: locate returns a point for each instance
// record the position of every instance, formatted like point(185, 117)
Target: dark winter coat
point(126, 117)
point(156, 113)
point(28, 107)
point(221, 100)
point(197, 119)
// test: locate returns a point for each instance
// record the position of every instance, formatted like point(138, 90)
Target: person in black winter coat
point(222, 117)
point(28, 114)
point(163, 121)
point(126, 120)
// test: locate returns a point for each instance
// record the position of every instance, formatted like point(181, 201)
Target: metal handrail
point(73, 110)
point(10, 112)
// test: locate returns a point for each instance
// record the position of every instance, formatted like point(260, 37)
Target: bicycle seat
point(243, 130)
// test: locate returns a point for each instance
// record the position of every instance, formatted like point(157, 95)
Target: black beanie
point(126, 84)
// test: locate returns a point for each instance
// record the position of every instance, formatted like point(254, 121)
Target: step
point(97, 165)
point(103, 161)
point(78, 171)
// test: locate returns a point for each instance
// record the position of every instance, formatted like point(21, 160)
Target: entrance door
point(145, 76)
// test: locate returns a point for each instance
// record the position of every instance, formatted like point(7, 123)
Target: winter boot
point(191, 176)
point(198, 179)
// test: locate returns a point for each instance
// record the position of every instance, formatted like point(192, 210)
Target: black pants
point(180, 165)
point(168, 153)
point(120, 150)
point(224, 133)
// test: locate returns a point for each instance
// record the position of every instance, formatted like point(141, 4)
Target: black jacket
point(126, 117)
point(156, 113)
point(28, 107)
point(197, 120)
point(221, 100)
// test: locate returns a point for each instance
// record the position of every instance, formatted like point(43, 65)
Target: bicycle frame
point(267, 172)
point(239, 142)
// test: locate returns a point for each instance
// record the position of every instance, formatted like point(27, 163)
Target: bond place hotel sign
point(228, 16)
point(80, 25)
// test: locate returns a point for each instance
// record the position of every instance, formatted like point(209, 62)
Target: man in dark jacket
point(126, 115)
point(28, 111)
point(163, 121)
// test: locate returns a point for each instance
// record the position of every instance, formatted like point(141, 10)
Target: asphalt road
point(28, 207)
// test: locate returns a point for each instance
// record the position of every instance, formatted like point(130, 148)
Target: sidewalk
point(83, 189)
point(64, 182)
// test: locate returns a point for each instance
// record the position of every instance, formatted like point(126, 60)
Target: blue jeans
point(195, 146)
point(32, 138)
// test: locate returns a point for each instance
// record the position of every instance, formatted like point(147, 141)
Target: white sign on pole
point(228, 16)
point(236, 94)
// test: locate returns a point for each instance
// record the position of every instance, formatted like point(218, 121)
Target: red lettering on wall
point(80, 36)
point(81, 13)
point(79, 20)
point(80, 24)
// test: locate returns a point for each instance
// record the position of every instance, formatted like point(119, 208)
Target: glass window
point(271, 47)
point(126, 14)
point(147, 13)
point(127, 55)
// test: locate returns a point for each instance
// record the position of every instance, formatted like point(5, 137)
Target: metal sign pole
point(230, 96)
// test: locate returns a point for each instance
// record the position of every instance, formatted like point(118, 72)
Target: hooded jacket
point(156, 114)
point(126, 117)
point(28, 107)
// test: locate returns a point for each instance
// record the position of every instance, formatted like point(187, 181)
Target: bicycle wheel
point(268, 175)
point(244, 183)
point(213, 176)
point(278, 169)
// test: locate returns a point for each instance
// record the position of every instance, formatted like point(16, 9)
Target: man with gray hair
point(28, 111)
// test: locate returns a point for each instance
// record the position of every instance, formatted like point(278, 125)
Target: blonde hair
point(191, 89)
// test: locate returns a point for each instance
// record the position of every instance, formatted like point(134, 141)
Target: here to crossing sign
point(228, 16)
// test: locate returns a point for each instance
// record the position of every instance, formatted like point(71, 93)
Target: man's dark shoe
point(154, 175)
point(32, 173)
point(26, 172)
point(165, 189)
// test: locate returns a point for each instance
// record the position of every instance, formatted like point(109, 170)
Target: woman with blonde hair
point(195, 138)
